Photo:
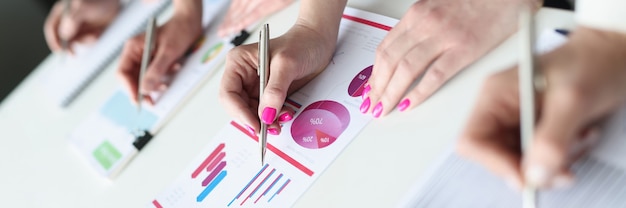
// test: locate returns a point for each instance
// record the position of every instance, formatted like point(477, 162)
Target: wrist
point(190, 10)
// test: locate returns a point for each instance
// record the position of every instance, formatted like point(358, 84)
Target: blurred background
point(22, 43)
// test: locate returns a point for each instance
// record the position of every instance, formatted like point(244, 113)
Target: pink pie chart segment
point(320, 124)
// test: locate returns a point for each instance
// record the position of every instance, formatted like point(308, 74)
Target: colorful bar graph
point(249, 183)
point(279, 190)
point(211, 186)
point(269, 187)
point(276, 151)
point(258, 186)
point(211, 176)
point(216, 161)
point(206, 162)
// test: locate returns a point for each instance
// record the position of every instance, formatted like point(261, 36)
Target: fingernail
point(268, 115)
point(272, 131)
point(404, 104)
point(562, 182)
point(250, 130)
point(365, 106)
point(177, 67)
point(378, 109)
point(162, 87)
point(536, 176)
point(366, 90)
point(285, 117)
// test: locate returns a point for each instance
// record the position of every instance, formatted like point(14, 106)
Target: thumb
point(274, 94)
point(157, 77)
point(69, 26)
point(548, 160)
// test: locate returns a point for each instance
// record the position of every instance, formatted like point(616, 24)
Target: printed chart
point(358, 83)
point(320, 124)
point(122, 112)
point(212, 52)
point(265, 184)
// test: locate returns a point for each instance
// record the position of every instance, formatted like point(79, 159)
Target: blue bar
point(248, 185)
point(262, 182)
point(281, 188)
point(211, 186)
point(272, 185)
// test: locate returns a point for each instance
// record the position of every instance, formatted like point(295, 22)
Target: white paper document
point(106, 137)
point(228, 172)
point(600, 176)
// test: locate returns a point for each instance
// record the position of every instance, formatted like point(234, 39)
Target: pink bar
point(216, 161)
point(207, 160)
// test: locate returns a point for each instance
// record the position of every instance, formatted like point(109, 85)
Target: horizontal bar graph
point(276, 151)
point(261, 184)
point(214, 165)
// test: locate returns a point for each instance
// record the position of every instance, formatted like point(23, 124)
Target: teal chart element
point(122, 112)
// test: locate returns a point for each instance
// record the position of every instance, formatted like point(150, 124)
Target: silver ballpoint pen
point(263, 72)
point(67, 6)
point(531, 81)
point(145, 61)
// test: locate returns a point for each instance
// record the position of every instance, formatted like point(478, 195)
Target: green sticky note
point(106, 154)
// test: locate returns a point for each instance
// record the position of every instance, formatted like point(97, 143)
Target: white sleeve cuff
point(602, 14)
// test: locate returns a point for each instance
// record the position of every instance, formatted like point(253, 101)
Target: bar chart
point(266, 184)
point(213, 167)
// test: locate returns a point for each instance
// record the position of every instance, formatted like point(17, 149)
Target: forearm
point(322, 17)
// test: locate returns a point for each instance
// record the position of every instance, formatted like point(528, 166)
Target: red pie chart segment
point(320, 124)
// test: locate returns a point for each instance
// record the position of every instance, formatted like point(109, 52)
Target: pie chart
point(356, 86)
point(320, 124)
point(212, 52)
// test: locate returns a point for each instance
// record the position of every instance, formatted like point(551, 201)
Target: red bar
point(367, 22)
point(156, 204)
point(276, 151)
point(258, 186)
point(210, 158)
point(216, 161)
point(268, 188)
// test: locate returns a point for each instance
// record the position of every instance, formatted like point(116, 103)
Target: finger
point(491, 135)
point(274, 129)
point(50, 28)
point(239, 88)
point(276, 90)
point(158, 70)
point(412, 65)
point(69, 27)
point(439, 72)
point(128, 69)
point(285, 115)
point(556, 133)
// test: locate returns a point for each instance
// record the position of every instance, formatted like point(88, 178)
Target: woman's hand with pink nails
point(586, 82)
point(296, 57)
point(436, 39)
point(84, 23)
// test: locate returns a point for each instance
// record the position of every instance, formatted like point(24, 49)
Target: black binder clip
point(142, 139)
point(240, 38)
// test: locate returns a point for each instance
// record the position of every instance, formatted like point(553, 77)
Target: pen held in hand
point(263, 72)
point(145, 61)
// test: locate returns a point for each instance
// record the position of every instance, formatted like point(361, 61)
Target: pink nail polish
point(285, 117)
point(365, 106)
point(378, 109)
point(404, 104)
point(272, 131)
point(366, 90)
point(268, 115)
point(250, 130)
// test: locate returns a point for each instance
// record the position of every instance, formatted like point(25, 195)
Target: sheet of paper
point(105, 138)
point(600, 176)
point(228, 172)
point(73, 73)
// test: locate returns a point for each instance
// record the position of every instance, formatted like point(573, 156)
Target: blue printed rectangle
point(122, 112)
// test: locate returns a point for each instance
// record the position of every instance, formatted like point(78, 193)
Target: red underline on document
point(276, 151)
point(367, 22)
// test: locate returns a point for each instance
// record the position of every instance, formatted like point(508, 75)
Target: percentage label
point(307, 139)
point(316, 121)
point(362, 76)
point(325, 140)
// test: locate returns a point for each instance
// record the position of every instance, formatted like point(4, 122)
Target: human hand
point(586, 80)
point(245, 12)
point(84, 23)
point(172, 40)
point(436, 39)
point(296, 58)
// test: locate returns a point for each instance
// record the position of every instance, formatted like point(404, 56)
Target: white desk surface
point(40, 169)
